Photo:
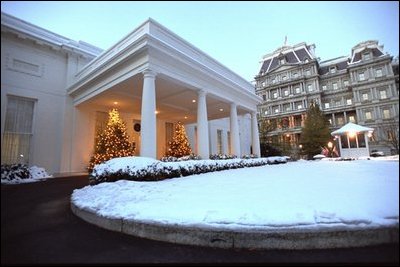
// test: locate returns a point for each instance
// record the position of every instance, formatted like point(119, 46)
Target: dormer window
point(332, 69)
point(305, 60)
point(282, 61)
point(366, 56)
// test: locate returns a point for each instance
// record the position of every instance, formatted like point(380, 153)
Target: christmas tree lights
point(179, 146)
point(113, 142)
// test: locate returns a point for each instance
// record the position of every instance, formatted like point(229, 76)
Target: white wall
point(39, 72)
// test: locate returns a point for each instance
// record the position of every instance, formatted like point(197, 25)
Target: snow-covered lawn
point(296, 194)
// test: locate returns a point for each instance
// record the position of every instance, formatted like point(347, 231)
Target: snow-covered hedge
point(222, 156)
point(147, 169)
point(184, 158)
point(20, 173)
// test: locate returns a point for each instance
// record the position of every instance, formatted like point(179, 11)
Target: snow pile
point(359, 193)
point(18, 173)
point(147, 169)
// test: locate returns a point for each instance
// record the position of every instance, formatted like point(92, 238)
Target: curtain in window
point(17, 131)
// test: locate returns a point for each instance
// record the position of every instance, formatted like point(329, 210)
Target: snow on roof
point(351, 127)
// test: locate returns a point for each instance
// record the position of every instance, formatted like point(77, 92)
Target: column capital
point(201, 92)
point(148, 73)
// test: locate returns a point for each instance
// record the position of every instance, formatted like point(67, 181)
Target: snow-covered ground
point(296, 194)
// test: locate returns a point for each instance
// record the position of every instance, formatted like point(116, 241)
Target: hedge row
point(161, 170)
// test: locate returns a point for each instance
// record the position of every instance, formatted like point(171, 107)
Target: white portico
point(156, 77)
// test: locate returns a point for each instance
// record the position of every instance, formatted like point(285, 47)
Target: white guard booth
point(353, 140)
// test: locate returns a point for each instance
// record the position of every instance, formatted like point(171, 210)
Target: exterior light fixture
point(193, 100)
point(115, 103)
point(352, 134)
point(330, 144)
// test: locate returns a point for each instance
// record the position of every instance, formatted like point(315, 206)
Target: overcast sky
point(237, 34)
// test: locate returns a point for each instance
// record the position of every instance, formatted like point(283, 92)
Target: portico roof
point(181, 70)
point(351, 127)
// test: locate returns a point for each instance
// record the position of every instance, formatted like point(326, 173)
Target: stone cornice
point(154, 40)
point(35, 33)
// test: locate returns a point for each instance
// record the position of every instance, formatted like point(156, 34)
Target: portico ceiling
point(174, 100)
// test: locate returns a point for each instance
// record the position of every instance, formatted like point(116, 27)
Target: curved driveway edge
point(245, 238)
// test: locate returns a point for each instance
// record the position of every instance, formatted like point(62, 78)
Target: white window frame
point(368, 115)
point(382, 94)
point(361, 76)
point(378, 72)
point(299, 106)
point(386, 114)
point(286, 92)
point(18, 130)
point(366, 56)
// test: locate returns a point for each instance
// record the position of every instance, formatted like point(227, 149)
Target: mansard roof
point(302, 53)
point(296, 54)
point(340, 63)
point(359, 49)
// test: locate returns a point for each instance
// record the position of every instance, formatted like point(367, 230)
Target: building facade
point(361, 88)
point(56, 92)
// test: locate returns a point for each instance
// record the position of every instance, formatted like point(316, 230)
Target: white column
point(235, 141)
point(254, 134)
point(148, 146)
point(203, 145)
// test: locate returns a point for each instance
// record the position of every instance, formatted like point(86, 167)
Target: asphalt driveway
point(38, 227)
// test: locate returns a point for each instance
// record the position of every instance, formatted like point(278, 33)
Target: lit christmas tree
point(113, 142)
point(179, 146)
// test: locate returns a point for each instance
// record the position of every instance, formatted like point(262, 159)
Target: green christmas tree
point(315, 134)
point(113, 142)
point(179, 146)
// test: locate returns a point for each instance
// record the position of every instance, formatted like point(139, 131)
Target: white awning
point(351, 127)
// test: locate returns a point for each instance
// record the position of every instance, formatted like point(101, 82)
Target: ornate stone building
point(362, 88)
